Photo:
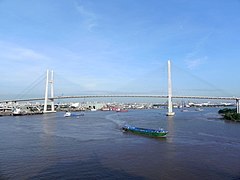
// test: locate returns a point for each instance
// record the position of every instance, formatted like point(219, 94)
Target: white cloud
point(14, 52)
point(24, 63)
point(194, 63)
point(24, 53)
point(195, 58)
point(89, 17)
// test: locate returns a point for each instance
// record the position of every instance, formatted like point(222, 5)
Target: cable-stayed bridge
point(169, 96)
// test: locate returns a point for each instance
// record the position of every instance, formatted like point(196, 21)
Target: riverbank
point(230, 114)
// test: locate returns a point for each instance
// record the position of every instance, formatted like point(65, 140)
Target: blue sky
point(121, 45)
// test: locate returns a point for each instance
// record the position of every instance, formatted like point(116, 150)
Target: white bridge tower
point(49, 80)
point(238, 105)
point(170, 107)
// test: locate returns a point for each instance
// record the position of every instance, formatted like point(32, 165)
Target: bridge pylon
point(170, 107)
point(238, 105)
point(49, 80)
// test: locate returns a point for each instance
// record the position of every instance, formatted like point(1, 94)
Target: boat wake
point(115, 119)
point(226, 139)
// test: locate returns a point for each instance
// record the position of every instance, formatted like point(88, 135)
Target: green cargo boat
point(148, 132)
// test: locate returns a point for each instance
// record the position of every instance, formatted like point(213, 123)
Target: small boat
point(198, 109)
point(18, 112)
point(143, 131)
point(121, 110)
point(69, 114)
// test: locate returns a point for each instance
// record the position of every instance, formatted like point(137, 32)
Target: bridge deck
point(122, 96)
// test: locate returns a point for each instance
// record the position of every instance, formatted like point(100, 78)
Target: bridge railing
point(122, 96)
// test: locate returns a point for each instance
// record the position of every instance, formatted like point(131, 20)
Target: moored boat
point(18, 112)
point(69, 114)
point(121, 110)
point(145, 131)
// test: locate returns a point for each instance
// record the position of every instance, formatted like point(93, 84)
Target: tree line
point(230, 114)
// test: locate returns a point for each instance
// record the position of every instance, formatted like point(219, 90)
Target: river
point(199, 146)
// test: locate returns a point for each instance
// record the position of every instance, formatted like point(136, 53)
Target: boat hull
point(68, 114)
point(121, 110)
point(146, 132)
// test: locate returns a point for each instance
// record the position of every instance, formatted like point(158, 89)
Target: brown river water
point(199, 145)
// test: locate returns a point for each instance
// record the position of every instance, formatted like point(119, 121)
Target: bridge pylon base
point(46, 112)
point(170, 113)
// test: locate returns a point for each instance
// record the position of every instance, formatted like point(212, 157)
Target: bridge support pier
point(45, 110)
point(238, 105)
point(170, 107)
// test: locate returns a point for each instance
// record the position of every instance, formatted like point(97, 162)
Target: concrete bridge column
point(52, 94)
point(170, 107)
point(46, 94)
point(238, 106)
